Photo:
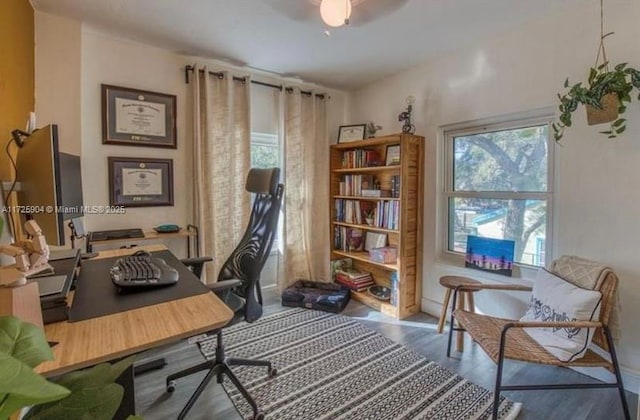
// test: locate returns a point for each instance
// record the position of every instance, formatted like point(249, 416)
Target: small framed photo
point(349, 133)
point(140, 182)
point(392, 155)
point(133, 117)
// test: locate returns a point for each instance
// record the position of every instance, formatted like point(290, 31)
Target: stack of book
point(354, 279)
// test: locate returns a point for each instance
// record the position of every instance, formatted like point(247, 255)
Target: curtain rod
point(189, 68)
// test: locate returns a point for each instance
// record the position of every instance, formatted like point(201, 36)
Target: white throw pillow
point(556, 299)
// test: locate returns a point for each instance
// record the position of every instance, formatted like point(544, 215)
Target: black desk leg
point(128, 404)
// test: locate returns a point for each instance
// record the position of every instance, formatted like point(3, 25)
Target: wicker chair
point(491, 334)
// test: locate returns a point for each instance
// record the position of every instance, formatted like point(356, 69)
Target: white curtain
point(221, 161)
point(306, 155)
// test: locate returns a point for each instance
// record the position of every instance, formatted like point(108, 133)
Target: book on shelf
point(353, 273)
point(360, 158)
point(394, 288)
point(375, 193)
point(395, 186)
point(354, 279)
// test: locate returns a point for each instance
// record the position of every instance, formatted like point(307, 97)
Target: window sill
point(454, 264)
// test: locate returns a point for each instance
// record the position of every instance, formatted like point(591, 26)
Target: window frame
point(487, 126)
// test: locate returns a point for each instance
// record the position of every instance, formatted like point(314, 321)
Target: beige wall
point(596, 198)
point(109, 61)
point(16, 72)
point(57, 78)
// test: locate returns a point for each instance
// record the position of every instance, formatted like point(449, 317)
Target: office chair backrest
point(248, 258)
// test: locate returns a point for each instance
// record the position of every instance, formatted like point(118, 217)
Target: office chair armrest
point(196, 265)
point(224, 285)
point(195, 261)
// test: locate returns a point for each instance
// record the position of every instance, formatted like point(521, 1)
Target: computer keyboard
point(142, 271)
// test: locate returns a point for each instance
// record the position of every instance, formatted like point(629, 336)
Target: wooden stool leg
point(445, 308)
point(471, 303)
point(460, 336)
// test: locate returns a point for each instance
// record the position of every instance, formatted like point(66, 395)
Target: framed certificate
point(349, 133)
point(140, 182)
point(135, 117)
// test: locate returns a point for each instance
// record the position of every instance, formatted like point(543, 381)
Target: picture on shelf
point(375, 240)
point(355, 239)
point(392, 155)
point(492, 255)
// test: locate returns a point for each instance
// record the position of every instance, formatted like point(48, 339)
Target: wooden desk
point(86, 343)
point(190, 232)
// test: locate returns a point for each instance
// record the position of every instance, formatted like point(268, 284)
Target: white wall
point(74, 59)
point(596, 199)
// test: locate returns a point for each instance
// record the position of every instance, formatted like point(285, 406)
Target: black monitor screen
point(50, 183)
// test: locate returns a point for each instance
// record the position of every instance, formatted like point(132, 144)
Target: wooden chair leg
point(460, 336)
point(445, 308)
point(472, 307)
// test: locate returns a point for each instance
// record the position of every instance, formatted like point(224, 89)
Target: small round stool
point(465, 295)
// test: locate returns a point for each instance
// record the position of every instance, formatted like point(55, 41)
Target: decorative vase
point(607, 114)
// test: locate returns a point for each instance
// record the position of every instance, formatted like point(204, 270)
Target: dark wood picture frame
point(134, 117)
point(140, 182)
point(353, 132)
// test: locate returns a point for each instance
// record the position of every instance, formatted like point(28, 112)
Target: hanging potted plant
point(605, 96)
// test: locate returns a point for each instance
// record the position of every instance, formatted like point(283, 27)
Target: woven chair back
point(604, 280)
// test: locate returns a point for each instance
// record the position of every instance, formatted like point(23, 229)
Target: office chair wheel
point(171, 386)
point(259, 416)
point(273, 372)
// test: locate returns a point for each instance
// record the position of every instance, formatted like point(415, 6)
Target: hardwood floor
point(417, 333)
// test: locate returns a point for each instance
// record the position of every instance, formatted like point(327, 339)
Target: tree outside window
point(498, 186)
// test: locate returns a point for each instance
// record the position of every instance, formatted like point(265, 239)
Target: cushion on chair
point(556, 299)
point(328, 297)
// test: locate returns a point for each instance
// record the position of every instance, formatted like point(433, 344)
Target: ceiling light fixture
point(335, 12)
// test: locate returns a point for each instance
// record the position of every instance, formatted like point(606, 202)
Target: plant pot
point(607, 114)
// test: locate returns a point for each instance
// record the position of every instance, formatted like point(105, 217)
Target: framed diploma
point(140, 182)
point(135, 117)
point(349, 133)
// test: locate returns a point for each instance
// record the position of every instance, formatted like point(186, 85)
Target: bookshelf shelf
point(400, 218)
point(364, 257)
point(382, 306)
point(361, 198)
point(365, 227)
point(368, 169)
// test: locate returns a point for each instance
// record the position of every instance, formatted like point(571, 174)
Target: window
point(265, 151)
point(498, 184)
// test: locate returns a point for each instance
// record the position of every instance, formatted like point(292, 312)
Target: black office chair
point(239, 283)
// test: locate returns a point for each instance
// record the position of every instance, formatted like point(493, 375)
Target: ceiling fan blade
point(300, 10)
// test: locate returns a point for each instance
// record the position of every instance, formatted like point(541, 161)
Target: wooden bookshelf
point(406, 236)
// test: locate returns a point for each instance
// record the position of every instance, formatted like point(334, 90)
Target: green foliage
point(602, 81)
point(94, 395)
point(87, 394)
point(22, 347)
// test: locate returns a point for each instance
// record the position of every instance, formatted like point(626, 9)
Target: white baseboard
point(630, 377)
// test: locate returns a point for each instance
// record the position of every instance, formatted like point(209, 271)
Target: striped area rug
point(332, 367)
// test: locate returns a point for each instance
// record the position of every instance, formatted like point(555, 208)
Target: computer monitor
point(50, 183)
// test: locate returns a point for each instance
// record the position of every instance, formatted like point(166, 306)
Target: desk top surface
point(85, 343)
